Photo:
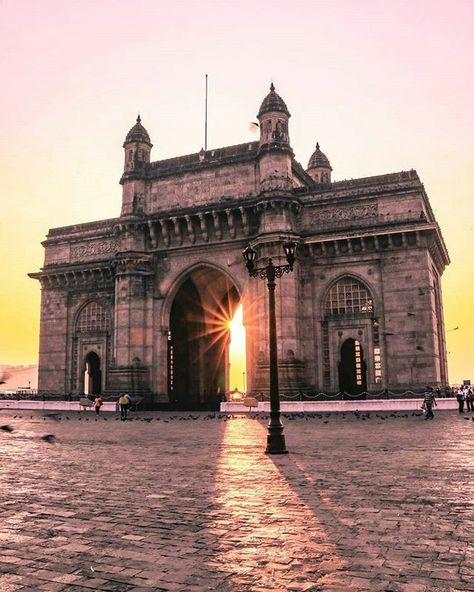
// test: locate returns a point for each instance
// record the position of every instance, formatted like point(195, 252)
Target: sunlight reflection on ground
point(271, 524)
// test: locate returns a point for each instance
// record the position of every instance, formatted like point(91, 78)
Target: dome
point(273, 102)
point(318, 159)
point(138, 134)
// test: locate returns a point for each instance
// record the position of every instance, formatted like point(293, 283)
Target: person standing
point(469, 398)
point(123, 402)
point(460, 399)
point(98, 404)
point(428, 402)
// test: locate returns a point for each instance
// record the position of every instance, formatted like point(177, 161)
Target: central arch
point(198, 338)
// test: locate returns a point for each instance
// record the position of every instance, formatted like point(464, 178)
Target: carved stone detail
point(133, 264)
point(94, 249)
point(217, 224)
point(341, 214)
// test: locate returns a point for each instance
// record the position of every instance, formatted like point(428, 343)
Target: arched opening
point(198, 339)
point(92, 333)
point(92, 375)
point(352, 368)
point(349, 309)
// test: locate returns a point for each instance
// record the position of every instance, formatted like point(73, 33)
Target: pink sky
point(383, 86)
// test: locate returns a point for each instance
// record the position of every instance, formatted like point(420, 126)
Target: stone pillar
point(53, 341)
point(290, 364)
point(132, 324)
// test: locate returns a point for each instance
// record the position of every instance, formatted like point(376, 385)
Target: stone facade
point(136, 299)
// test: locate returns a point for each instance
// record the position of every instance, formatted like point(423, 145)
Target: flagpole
point(205, 120)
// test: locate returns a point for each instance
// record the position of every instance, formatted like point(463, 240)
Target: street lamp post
point(275, 437)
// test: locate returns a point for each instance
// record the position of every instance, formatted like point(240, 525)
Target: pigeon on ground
point(49, 438)
point(6, 428)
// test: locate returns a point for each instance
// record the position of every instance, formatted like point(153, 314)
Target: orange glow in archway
point(237, 359)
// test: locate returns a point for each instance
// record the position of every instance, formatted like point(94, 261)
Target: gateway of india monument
point(139, 303)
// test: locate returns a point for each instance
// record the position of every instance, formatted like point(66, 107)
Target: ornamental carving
point(342, 214)
point(96, 249)
point(133, 263)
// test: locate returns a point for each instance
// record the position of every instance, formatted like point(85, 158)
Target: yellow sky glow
point(237, 370)
point(383, 87)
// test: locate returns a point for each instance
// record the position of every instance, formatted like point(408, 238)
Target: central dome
point(273, 102)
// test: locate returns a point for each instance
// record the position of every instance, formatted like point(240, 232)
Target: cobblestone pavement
point(190, 502)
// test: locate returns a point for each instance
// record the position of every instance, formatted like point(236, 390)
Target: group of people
point(465, 397)
point(124, 402)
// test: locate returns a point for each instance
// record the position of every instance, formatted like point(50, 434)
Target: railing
point(344, 396)
point(34, 395)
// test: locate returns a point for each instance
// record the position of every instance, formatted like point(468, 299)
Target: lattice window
point(377, 352)
point(93, 317)
point(74, 364)
point(348, 296)
point(326, 359)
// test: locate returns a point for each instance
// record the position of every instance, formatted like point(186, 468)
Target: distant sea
point(16, 377)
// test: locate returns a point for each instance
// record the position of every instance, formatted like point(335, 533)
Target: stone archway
point(352, 368)
point(198, 338)
point(92, 374)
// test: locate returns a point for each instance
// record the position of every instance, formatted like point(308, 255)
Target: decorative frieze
point(329, 215)
point(94, 250)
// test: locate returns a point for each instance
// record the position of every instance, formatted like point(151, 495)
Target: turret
point(319, 168)
point(275, 152)
point(137, 148)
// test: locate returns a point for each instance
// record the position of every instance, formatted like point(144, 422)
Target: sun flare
point(237, 359)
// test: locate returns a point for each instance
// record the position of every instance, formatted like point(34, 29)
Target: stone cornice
point(79, 276)
point(379, 240)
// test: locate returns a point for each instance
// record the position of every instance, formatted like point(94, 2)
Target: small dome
point(318, 159)
point(138, 133)
point(273, 102)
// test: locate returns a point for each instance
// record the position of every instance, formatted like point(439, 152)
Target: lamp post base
point(276, 444)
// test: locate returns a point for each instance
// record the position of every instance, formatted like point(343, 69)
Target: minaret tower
point(275, 152)
point(137, 148)
point(319, 168)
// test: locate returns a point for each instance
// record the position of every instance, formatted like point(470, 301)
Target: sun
point(237, 357)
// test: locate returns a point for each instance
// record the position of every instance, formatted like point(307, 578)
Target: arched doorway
point(352, 368)
point(92, 375)
point(198, 339)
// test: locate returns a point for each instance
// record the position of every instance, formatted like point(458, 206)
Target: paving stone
point(198, 505)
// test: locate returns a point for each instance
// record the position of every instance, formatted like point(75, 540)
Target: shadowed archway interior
point(198, 339)
point(92, 375)
point(352, 368)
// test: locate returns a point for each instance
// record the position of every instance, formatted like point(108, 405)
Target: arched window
point(348, 296)
point(93, 317)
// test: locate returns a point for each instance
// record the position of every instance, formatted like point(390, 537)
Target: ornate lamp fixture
point(275, 438)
